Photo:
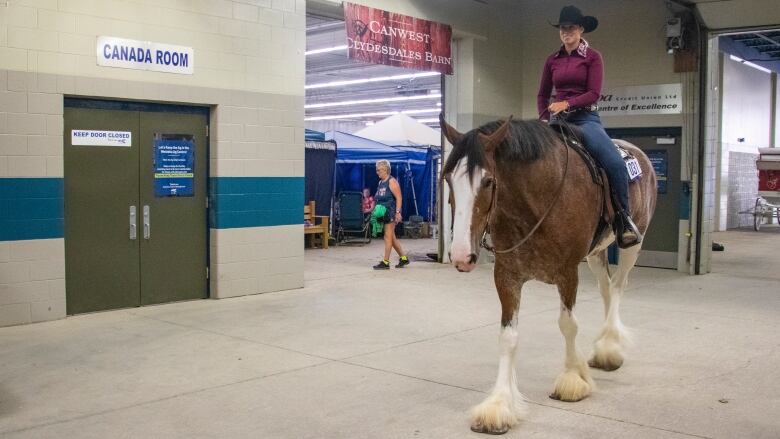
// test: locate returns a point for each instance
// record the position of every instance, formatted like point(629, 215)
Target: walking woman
point(388, 194)
point(576, 70)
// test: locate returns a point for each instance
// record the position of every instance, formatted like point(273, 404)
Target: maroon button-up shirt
point(577, 78)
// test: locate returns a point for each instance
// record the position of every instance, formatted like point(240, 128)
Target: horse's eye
point(486, 183)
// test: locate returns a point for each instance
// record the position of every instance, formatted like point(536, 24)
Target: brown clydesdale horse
point(537, 198)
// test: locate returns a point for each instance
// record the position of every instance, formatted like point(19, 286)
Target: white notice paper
point(101, 138)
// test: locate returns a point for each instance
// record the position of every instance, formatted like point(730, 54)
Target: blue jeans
point(600, 146)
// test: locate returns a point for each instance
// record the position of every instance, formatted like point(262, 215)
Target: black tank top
point(384, 196)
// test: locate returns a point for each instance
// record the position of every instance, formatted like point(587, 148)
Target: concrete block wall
point(742, 188)
point(32, 251)
point(249, 68)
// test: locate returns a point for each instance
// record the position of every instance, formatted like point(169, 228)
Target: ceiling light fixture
point(350, 116)
point(377, 113)
point(373, 101)
point(325, 50)
point(749, 64)
point(374, 79)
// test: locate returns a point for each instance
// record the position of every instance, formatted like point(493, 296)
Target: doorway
point(662, 146)
point(135, 204)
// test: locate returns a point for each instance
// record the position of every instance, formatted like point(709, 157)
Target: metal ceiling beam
point(768, 39)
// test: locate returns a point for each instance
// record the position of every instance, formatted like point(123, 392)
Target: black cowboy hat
point(572, 15)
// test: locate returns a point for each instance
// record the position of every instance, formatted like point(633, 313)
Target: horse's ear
point(493, 140)
point(449, 132)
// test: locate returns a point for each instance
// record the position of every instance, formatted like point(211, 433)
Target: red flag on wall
point(382, 37)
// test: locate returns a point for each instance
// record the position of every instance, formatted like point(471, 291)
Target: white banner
point(101, 138)
point(641, 100)
point(145, 55)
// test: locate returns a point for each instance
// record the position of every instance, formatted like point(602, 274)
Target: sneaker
point(382, 265)
point(403, 262)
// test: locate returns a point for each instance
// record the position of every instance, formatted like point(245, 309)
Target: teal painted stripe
point(31, 208)
point(238, 202)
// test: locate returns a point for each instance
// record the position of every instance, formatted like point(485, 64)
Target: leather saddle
point(571, 135)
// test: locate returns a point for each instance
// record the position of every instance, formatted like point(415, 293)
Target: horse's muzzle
point(465, 266)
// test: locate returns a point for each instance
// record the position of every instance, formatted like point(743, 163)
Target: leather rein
point(484, 244)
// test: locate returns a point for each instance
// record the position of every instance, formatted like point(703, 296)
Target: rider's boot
point(626, 232)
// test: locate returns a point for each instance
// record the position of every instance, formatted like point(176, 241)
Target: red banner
point(382, 37)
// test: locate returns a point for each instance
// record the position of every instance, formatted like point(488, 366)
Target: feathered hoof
point(606, 359)
point(485, 430)
point(495, 415)
point(570, 387)
point(606, 364)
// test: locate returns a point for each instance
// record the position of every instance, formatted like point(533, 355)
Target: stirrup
point(626, 233)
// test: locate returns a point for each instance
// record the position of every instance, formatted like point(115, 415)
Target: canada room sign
point(382, 37)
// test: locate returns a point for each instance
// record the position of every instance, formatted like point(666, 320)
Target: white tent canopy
point(400, 129)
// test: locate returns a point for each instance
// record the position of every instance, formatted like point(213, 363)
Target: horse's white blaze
point(464, 190)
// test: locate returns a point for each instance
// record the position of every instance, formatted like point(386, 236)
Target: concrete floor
point(404, 354)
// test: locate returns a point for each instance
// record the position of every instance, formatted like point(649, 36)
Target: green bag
point(377, 219)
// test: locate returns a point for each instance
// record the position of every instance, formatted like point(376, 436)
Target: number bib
point(632, 164)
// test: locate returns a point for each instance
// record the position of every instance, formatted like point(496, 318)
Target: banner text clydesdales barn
point(382, 37)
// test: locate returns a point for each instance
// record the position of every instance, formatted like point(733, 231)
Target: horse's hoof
point(604, 367)
point(557, 397)
point(479, 428)
point(570, 386)
point(607, 366)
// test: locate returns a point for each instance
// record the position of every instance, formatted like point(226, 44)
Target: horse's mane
point(526, 142)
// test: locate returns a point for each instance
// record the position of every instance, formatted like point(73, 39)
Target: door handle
point(147, 223)
point(133, 220)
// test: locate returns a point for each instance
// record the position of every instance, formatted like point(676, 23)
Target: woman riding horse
point(543, 211)
point(576, 70)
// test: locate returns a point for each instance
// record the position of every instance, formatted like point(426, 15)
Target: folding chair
point(353, 225)
point(413, 227)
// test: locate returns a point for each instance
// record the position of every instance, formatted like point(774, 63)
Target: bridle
point(493, 196)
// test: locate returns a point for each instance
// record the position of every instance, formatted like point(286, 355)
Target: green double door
point(135, 208)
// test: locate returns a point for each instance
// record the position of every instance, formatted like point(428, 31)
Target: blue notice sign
point(174, 165)
point(658, 157)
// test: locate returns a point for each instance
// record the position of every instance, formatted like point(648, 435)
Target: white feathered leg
point(608, 352)
point(505, 405)
point(574, 383)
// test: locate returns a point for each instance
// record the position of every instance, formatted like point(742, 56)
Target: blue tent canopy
point(414, 168)
point(320, 163)
point(355, 149)
point(314, 136)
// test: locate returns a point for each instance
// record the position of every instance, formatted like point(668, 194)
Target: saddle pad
point(632, 164)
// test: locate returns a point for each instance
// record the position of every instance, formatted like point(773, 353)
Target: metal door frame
point(666, 131)
point(204, 110)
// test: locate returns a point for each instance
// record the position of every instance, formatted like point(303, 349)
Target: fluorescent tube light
point(350, 116)
point(377, 113)
point(374, 79)
point(749, 64)
point(373, 101)
point(325, 50)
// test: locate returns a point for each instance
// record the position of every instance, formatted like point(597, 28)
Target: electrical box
point(673, 27)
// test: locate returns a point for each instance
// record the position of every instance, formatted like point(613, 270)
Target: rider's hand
point(557, 107)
